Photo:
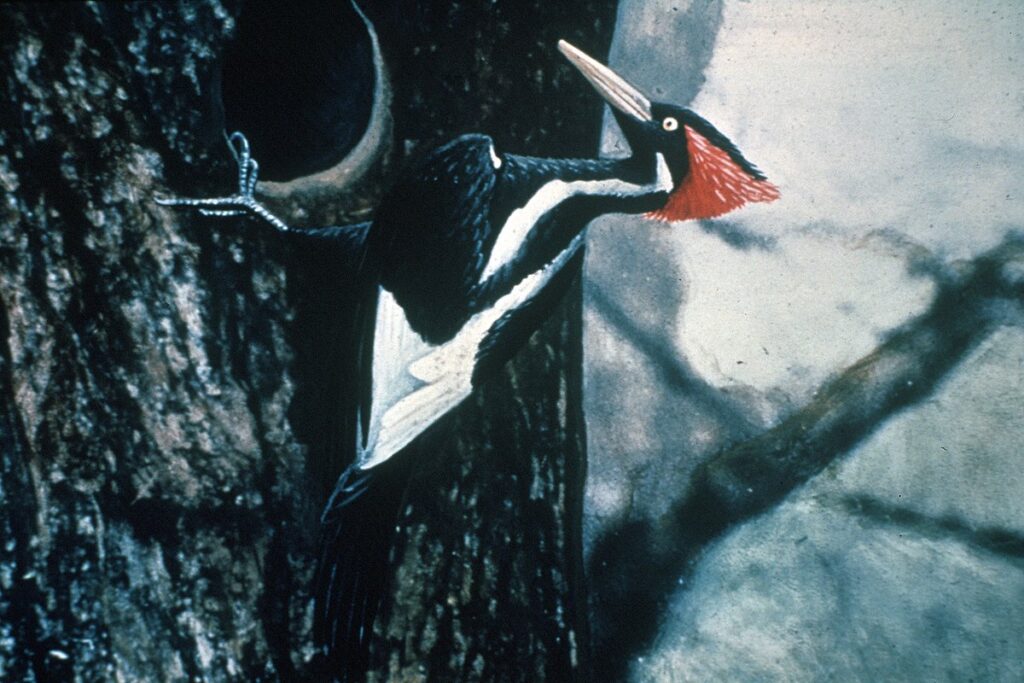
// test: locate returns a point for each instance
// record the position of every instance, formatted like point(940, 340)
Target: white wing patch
point(521, 221)
point(414, 382)
point(395, 346)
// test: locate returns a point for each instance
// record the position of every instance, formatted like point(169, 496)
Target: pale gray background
point(894, 132)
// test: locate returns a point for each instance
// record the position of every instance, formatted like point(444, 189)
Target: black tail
point(354, 568)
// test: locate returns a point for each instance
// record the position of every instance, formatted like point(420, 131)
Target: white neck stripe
point(522, 221)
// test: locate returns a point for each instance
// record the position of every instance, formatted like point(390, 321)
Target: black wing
point(349, 242)
point(425, 245)
point(434, 231)
point(331, 280)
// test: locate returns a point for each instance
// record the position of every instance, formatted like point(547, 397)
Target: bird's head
point(710, 176)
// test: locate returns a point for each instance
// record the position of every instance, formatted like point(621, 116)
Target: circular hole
point(299, 82)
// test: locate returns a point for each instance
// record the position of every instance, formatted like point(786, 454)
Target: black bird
point(466, 252)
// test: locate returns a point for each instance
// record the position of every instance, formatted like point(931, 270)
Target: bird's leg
point(241, 204)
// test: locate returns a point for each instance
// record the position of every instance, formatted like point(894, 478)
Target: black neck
point(437, 232)
point(599, 186)
point(534, 172)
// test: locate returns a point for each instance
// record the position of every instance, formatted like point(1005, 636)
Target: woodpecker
point(466, 251)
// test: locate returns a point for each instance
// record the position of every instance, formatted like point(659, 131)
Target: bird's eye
point(670, 124)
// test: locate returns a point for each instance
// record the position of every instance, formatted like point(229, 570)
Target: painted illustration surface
point(567, 341)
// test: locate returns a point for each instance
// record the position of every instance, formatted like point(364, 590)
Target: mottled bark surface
point(153, 531)
point(489, 582)
point(168, 396)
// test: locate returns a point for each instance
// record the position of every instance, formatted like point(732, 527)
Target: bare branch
point(636, 567)
point(669, 367)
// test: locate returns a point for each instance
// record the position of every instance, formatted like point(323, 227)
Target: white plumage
point(415, 382)
point(521, 221)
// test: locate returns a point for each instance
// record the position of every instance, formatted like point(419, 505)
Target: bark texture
point(488, 583)
point(169, 388)
point(149, 477)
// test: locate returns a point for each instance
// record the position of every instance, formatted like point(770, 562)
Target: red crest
point(715, 184)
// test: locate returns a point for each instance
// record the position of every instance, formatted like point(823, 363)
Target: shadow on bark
point(172, 401)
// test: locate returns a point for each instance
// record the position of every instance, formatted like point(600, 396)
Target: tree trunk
point(166, 384)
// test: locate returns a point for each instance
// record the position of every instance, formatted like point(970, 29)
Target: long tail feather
point(353, 571)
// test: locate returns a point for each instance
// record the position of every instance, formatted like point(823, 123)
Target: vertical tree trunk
point(154, 511)
point(489, 577)
point(488, 583)
point(151, 527)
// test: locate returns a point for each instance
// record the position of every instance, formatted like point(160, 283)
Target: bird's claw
point(235, 205)
point(248, 169)
point(221, 213)
point(241, 204)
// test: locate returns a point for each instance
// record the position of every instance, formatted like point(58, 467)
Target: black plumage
point(464, 258)
point(428, 246)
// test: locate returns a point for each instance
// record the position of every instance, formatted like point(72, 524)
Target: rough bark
point(489, 582)
point(166, 397)
point(149, 471)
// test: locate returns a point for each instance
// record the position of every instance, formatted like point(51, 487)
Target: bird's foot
point(243, 203)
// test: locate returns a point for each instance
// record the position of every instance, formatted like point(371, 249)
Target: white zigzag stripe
point(415, 382)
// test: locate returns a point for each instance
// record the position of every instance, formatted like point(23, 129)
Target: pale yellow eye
point(670, 124)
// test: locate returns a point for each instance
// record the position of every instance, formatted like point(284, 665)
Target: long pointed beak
point(609, 84)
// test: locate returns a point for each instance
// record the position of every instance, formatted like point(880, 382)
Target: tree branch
point(669, 367)
point(636, 566)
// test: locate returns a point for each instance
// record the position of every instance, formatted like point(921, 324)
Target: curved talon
point(243, 151)
point(253, 169)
